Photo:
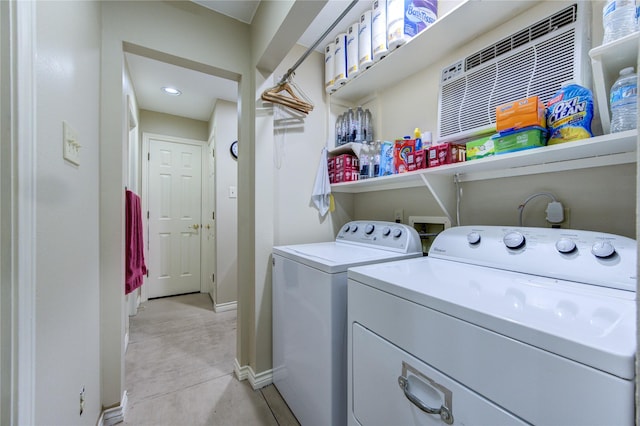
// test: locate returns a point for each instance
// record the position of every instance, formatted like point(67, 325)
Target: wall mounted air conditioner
point(533, 61)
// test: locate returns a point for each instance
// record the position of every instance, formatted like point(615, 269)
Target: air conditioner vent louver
point(539, 29)
point(532, 61)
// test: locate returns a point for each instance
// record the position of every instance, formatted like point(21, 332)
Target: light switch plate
point(70, 145)
point(233, 192)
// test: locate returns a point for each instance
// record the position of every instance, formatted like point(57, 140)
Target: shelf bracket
point(441, 187)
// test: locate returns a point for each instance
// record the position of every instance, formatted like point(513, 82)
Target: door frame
point(146, 137)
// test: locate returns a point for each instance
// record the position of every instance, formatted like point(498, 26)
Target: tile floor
point(179, 369)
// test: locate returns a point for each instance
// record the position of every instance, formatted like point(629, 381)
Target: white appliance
point(496, 326)
point(310, 314)
point(533, 60)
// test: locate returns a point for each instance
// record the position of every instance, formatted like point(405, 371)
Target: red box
point(346, 176)
point(438, 155)
point(417, 161)
point(446, 153)
point(332, 177)
point(346, 161)
point(331, 164)
point(404, 154)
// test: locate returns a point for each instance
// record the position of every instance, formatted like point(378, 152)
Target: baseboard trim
point(256, 381)
point(115, 415)
point(223, 307)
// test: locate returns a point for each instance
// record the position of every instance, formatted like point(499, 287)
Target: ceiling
point(199, 90)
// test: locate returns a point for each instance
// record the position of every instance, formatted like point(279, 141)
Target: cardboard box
point(519, 140)
point(346, 176)
point(438, 155)
point(418, 161)
point(520, 114)
point(480, 148)
point(403, 154)
point(346, 161)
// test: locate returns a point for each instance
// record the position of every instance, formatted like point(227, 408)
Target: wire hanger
point(283, 93)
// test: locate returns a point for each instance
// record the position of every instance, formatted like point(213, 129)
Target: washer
point(310, 314)
point(497, 326)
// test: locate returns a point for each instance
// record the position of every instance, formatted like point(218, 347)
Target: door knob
point(208, 226)
point(196, 226)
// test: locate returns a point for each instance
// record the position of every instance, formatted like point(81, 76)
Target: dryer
point(310, 314)
point(498, 325)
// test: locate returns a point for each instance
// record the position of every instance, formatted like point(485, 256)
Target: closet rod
point(322, 37)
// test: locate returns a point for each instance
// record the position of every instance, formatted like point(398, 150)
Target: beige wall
point(600, 199)
point(185, 35)
point(66, 263)
point(224, 120)
point(171, 125)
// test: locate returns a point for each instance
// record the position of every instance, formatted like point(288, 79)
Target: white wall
point(67, 247)
point(224, 120)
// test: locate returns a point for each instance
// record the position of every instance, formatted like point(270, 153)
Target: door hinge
point(213, 278)
point(213, 215)
point(147, 214)
point(273, 261)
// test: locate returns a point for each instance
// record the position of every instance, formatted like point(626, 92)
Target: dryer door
point(392, 387)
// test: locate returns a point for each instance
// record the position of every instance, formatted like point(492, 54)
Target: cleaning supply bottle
point(623, 101)
point(417, 135)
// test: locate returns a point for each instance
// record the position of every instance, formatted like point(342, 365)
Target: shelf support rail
point(291, 70)
point(443, 184)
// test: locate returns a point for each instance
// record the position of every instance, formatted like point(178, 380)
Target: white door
point(174, 217)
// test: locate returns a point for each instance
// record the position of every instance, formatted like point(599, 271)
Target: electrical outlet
point(566, 223)
point(398, 216)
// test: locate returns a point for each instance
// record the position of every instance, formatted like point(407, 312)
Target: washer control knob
point(513, 240)
point(565, 245)
point(386, 231)
point(473, 237)
point(346, 228)
point(369, 229)
point(603, 249)
point(354, 228)
point(397, 233)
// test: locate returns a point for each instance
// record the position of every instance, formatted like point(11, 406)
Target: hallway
point(179, 369)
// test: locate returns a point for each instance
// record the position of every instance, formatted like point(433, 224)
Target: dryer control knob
point(369, 229)
point(346, 228)
point(514, 240)
point(354, 228)
point(386, 231)
point(397, 233)
point(473, 237)
point(602, 249)
point(565, 245)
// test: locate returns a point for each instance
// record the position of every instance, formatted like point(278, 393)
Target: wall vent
point(533, 61)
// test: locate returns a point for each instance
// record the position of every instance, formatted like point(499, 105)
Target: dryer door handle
point(443, 411)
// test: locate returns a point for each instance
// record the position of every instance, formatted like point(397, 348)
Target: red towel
point(134, 244)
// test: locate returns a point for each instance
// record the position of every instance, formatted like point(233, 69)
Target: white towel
point(321, 195)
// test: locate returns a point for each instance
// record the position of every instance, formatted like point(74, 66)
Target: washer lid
point(589, 324)
point(334, 257)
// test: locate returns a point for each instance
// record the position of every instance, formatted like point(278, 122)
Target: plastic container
point(569, 114)
point(619, 18)
point(365, 161)
point(623, 101)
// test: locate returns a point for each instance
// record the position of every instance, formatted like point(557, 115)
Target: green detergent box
point(530, 137)
point(480, 148)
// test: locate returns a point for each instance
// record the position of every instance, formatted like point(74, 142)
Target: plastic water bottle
point(368, 126)
point(375, 159)
point(352, 125)
point(623, 101)
point(339, 131)
point(365, 161)
point(359, 133)
point(619, 19)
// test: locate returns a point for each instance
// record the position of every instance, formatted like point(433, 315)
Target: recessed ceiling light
point(172, 91)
